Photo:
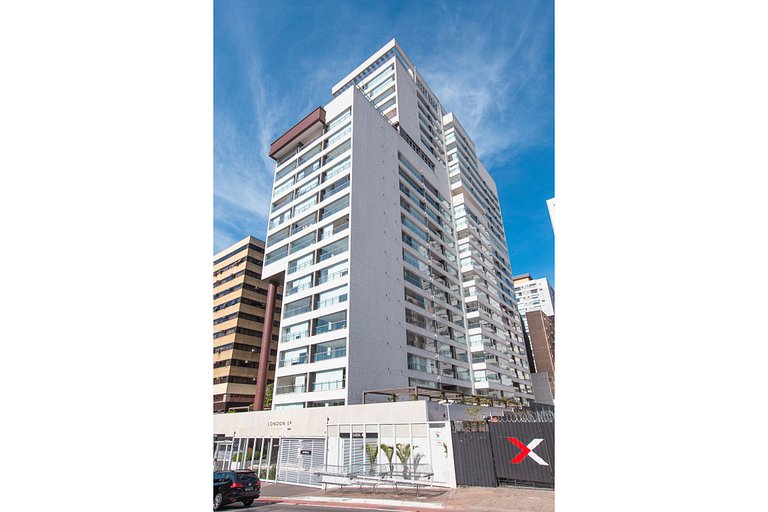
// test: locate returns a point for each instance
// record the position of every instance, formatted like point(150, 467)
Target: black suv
point(231, 486)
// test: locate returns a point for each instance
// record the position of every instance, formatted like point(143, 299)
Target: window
point(339, 119)
point(327, 380)
point(335, 188)
point(332, 155)
point(291, 384)
point(331, 297)
point(333, 272)
point(296, 331)
point(422, 364)
point(308, 170)
point(336, 138)
point(335, 227)
point(300, 263)
point(298, 307)
point(420, 341)
point(302, 242)
point(331, 322)
point(307, 187)
point(305, 205)
point(342, 166)
point(280, 219)
point(333, 249)
point(277, 254)
point(297, 285)
point(415, 298)
point(334, 207)
point(330, 350)
point(280, 235)
point(293, 357)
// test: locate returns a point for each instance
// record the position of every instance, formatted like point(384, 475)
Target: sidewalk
point(470, 499)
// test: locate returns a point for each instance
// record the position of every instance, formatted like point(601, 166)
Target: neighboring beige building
point(239, 301)
point(541, 331)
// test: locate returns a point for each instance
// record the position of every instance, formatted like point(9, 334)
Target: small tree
point(404, 453)
point(268, 396)
point(371, 451)
point(392, 398)
point(388, 452)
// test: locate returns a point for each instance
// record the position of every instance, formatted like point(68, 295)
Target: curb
point(355, 501)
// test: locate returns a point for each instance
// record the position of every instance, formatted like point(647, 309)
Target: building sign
point(305, 452)
point(527, 451)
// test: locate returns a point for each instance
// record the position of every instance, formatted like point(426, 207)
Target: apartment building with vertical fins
point(385, 233)
point(239, 304)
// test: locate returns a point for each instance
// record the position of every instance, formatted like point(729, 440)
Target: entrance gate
point(299, 459)
point(516, 450)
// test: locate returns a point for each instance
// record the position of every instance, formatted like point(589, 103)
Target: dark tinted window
point(222, 476)
point(247, 477)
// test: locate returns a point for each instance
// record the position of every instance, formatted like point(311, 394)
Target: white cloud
point(243, 170)
point(496, 88)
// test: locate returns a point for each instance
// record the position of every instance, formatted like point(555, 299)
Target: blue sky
point(489, 62)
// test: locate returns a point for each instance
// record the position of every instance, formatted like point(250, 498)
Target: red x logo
point(526, 450)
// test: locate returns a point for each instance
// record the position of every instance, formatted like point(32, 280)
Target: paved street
point(271, 506)
point(279, 497)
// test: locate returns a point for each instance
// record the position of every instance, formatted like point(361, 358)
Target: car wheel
point(247, 503)
point(218, 499)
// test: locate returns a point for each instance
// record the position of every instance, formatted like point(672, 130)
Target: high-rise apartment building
point(385, 230)
point(533, 295)
point(239, 304)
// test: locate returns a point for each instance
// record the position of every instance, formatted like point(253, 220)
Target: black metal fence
point(519, 450)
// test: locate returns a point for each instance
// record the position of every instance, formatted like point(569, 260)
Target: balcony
point(327, 386)
point(290, 388)
point(297, 289)
point(334, 326)
point(333, 231)
point(331, 301)
point(296, 335)
point(332, 354)
point(293, 362)
point(297, 311)
point(331, 277)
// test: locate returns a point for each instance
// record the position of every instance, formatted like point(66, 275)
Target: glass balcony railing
point(327, 212)
point(334, 231)
point(296, 268)
point(297, 289)
point(326, 386)
point(290, 388)
point(301, 245)
point(330, 254)
point(296, 335)
point(333, 326)
point(292, 362)
point(297, 311)
point(331, 301)
point(330, 277)
point(331, 354)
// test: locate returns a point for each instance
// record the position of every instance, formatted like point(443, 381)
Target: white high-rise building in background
point(534, 295)
point(385, 231)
